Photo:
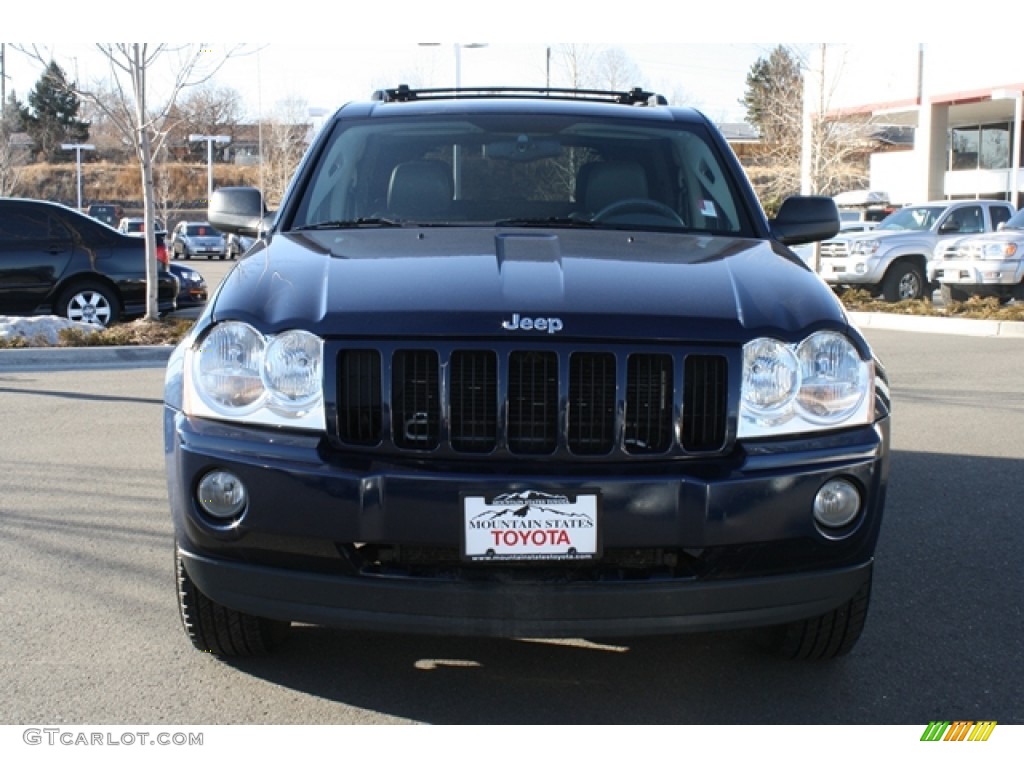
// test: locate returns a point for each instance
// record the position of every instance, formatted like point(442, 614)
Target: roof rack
point(634, 97)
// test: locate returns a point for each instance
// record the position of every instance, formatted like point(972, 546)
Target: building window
point(964, 148)
point(995, 145)
point(979, 146)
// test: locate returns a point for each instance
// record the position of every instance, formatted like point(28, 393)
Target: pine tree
point(51, 117)
point(774, 96)
point(774, 103)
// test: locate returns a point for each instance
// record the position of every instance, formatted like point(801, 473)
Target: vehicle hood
point(887, 237)
point(1002, 236)
point(473, 282)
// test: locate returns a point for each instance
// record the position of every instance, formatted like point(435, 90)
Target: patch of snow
point(39, 331)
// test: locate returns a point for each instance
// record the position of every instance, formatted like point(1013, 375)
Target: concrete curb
point(57, 358)
point(957, 326)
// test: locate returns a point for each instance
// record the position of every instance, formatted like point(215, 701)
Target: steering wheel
point(638, 205)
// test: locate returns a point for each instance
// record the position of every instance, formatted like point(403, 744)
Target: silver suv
point(984, 265)
point(892, 259)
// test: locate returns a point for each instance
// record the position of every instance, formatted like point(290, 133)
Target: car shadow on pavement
point(82, 396)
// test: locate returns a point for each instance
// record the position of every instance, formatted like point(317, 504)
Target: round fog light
point(837, 503)
point(221, 495)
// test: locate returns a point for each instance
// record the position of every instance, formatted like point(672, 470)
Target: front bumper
point(850, 271)
point(988, 272)
point(738, 545)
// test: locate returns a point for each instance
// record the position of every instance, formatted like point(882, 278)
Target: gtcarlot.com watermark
point(70, 738)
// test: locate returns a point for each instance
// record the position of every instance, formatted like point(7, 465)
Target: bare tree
point(575, 60)
point(836, 146)
point(210, 109)
point(616, 71)
point(286, 136)
point(126, 104)
point(13, 156)
point(839, 142)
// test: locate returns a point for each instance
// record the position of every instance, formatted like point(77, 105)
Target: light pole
point(210, 140)
point(78, 164)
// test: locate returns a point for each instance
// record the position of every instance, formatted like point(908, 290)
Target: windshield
point(519, 169)
point(201, 230)
point(1016, 221)
point(919, 218)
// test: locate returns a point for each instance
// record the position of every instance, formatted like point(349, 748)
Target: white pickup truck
point(892, 259)
point(984, 265)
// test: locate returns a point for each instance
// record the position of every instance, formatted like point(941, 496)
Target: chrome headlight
point(865, 247)
point(998, 251)
point(771, 374)
point(821, 383)
point(237, 373)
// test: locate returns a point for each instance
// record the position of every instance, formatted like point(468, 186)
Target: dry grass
point(974, 308)
point(135, 333)
point(138, 332)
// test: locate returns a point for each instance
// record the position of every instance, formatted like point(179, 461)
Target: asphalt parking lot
point(94, 635)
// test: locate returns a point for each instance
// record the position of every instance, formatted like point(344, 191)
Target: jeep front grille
point(531, 402)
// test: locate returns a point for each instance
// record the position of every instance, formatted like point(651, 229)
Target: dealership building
point(965, 112)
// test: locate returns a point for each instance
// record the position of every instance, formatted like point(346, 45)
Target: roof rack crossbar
point(634, 97)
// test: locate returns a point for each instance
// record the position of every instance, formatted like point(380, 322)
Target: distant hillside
point(178, 185)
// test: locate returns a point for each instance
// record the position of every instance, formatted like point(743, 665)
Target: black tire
point(89, 302)
point(822, 637)
point(903, 281)
point(951, 293)
point(222, 631)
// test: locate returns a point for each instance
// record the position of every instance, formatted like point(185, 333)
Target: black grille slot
point(533, 402)
point(415, 399)
point(474, 401)
point(705, 403)
point(591, 403)
point(359, 396)
point(649, 403)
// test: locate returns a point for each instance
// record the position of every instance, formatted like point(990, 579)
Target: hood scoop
point(530, 268)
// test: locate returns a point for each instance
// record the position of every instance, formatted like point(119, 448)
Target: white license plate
point(531, 525)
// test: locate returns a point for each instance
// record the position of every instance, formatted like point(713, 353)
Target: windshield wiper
point(349, 224)
point(552, 221)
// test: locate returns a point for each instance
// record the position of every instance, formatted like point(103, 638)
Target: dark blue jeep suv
point(524, 363)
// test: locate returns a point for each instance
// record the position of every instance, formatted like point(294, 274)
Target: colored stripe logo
point(960, 730)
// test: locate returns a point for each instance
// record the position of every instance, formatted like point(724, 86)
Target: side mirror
point(805, 219)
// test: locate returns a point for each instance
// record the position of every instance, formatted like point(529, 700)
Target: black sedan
point(193, 290)
point(55, 260)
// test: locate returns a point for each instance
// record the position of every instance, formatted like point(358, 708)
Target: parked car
point(495, 398)
point(107, 213)
point(196, 238)
point(863, 206)
point(892, 259)
point(193, 290)
point(237, 245)
point(136, 225)
point(989, 264)
point(56, 260)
